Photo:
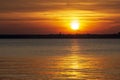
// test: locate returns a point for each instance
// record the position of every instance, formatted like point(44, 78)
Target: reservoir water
point(60, 59)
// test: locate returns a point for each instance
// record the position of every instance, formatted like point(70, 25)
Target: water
point(59, 59)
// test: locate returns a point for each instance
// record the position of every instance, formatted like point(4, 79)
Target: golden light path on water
point(76, 66)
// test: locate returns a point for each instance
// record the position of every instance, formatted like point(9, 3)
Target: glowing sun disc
point(75, 25)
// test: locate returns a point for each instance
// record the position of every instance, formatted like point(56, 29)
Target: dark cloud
point(47, 5)
point(29, 5)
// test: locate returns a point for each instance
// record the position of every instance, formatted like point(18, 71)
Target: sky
point(55, 16)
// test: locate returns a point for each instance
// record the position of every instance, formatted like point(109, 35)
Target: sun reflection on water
point(73, 63)
point(77, 65)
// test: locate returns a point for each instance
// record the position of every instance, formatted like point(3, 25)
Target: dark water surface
point(60, 59)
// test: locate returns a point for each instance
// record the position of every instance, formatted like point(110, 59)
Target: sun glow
point(75, 25)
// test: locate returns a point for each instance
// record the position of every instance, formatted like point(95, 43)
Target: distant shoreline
point(60, 36)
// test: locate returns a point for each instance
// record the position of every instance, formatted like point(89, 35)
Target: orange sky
point(54, 16)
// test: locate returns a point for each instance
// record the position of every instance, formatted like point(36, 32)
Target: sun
point(75, 25)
